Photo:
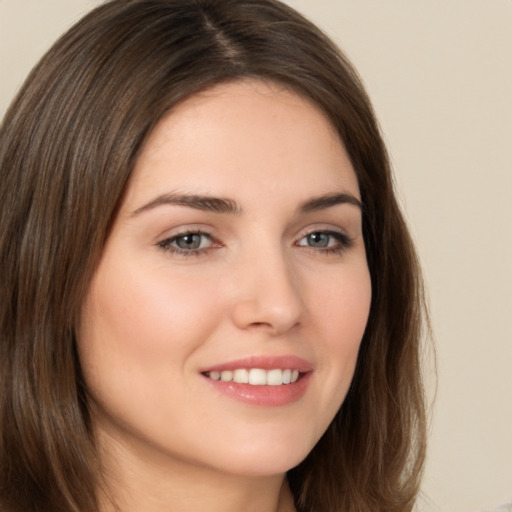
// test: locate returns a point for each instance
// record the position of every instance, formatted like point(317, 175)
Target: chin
point(264, 457)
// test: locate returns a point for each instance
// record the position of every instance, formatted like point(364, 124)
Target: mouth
point(257, 376)
point(260, 380)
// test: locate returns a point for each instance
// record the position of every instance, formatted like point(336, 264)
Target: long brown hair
point(68, 144)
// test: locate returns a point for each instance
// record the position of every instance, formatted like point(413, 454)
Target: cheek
point(137, 331)
point(344, 305)
point(139, 309)
point(135, 340)
point(342, 315)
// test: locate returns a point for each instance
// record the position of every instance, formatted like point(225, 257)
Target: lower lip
point(264, 396)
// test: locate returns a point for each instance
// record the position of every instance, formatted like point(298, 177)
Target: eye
point(326, 241)
point(187, 243)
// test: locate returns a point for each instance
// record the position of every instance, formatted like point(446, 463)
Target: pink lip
point(264, 396)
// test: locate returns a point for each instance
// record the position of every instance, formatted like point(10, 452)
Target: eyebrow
point(198, 202)
point(229, 206)
point(328, 201)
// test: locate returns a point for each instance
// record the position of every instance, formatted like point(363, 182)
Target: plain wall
point(440, 75)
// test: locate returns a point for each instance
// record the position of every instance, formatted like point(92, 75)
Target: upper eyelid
point(178, 231)
point(169, 245)
point(331, 232)
point(213, 233)
point(346, 226)
point(185, 233)
point(323, 229)
point(334, 230)
point(209, 233)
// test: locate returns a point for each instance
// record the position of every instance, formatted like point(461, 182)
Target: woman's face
point(238, 254)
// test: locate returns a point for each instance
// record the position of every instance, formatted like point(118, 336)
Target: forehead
point(244, 137)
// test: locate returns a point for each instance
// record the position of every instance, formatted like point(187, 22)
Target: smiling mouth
point(256, 376)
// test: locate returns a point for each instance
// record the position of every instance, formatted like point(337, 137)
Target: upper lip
point(263, 362)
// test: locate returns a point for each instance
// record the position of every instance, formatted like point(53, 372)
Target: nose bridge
point(268, 291)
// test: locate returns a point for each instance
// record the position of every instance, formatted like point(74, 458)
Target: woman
point(210, 299)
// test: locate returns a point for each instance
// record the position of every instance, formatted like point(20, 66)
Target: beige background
point(440, 75)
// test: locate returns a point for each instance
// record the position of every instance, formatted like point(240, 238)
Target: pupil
point(192, 241)
point(318, 240)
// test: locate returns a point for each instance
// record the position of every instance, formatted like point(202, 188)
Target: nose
point(268, 295)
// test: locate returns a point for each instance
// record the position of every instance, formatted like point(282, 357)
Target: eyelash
point(343, 242)
point(167, 246)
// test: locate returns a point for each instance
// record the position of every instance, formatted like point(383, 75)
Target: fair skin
point(270, 275)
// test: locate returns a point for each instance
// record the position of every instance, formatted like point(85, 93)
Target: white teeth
point(241, 376)
point(226, 376)
point(274, 377)
point(256, 376)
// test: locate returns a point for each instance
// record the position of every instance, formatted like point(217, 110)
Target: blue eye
point(326, 241)
point(187, 243)
point(320, 240)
